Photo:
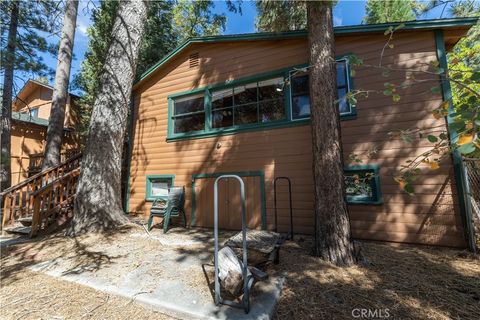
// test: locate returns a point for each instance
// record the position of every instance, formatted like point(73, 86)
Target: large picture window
point(300, 92)
point(362, 184)
point(275, 99)
point(251, 103)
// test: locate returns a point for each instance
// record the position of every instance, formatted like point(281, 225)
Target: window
point(300, 92)
point(362, 184)
point(272, 99)
point(33, 113)
point(158, 185)
point(189, 114)
point(251, 103)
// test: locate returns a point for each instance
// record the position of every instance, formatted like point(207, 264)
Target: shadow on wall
point(431, 214)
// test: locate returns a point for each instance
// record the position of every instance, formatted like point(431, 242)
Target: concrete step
point(18, 230)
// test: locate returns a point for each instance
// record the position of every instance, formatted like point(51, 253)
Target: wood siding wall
point(41, 97)
point(431, 216)
point(29, 139)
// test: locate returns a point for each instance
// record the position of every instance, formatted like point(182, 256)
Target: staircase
point(42, 201)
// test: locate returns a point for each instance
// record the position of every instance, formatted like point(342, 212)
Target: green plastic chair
point(172, 207)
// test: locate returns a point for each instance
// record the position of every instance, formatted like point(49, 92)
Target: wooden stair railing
point(18, 201)
point(52, 199)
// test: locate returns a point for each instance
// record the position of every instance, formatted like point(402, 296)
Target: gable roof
point(343, 30)
point(30, 86)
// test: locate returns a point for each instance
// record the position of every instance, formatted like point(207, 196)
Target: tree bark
point(98, 197)
point(332, 227)
point(60, 90)
point(6, 115)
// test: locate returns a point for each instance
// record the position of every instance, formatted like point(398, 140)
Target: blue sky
point(346, 12)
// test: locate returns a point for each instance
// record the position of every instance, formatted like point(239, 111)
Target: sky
point(346, 12)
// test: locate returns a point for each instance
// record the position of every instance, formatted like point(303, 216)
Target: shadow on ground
point(407, 282)
point(404, 282)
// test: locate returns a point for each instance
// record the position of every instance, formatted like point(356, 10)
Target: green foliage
point(283, 15)
point(99, 34)
point(195, 18)
point(168, 23)
point(389, 11)
point(35, 18)
point(464, 71)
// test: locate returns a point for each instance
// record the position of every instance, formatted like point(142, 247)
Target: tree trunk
point(98, 199)
point(6, 115)
point(332, 227)
point(60, 91)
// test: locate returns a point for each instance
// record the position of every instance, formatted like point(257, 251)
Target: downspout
point(458, 169)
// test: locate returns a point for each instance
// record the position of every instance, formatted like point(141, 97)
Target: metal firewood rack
point(247, 278)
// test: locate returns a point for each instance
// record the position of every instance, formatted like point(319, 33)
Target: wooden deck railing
point(52, 199)
point(18, 201)
point(36, 160)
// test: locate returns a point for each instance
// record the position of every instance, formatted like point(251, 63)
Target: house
point(239, 104)
point(30, 113)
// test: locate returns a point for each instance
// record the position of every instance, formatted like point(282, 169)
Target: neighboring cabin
point(239, 104)
point(30, 113)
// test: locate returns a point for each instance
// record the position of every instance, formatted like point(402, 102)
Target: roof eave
point(344, 30)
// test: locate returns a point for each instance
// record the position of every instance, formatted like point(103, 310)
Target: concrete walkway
point(170, 273)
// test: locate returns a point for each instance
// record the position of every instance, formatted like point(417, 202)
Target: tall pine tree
point(389, 11)
point(20, 46)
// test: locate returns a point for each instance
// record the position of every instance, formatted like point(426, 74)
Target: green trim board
point(208, 131)
point(149, 180)
point(260, 174)
point(26, 117)
point(376, 199)
point(131, 122)
point(410, 25)
point(453, 135)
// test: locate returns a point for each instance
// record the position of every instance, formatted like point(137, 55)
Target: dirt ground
point(396, 282)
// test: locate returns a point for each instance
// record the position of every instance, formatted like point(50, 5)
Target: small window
point(362, 184)
point(189, 114)
point(33, 113)
point(158, 185)
point(301, 98)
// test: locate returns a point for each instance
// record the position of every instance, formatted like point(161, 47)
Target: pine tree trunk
point(6, 114)
point(332, 227)
point(60, 91)
point(98, 198)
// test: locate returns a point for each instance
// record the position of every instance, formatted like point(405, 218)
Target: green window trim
point(209, 131)
point(260, 174)
point(150, 178)
point(376, 199)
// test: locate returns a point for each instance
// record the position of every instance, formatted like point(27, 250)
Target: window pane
point(195, 122)
point(272, 110)
point(188, 104)
point(270, 89)
point(159, 188)
point(341, 74)
point(343, 105)
point(34, 113)
point(245, 94)
point(222, 99)
point(300, 85)
point(246, 114)
point(222, 118)
point(300, 107)
point(360, 184)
